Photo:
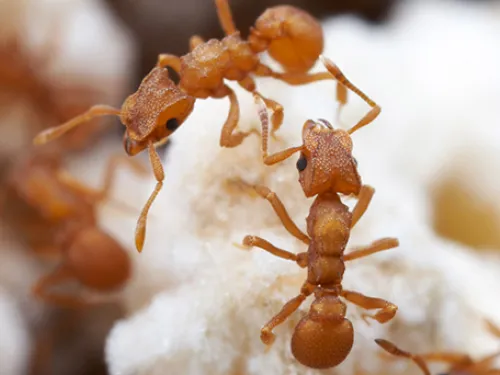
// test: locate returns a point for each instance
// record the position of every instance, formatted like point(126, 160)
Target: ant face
point(326, 162)
point(154, 111)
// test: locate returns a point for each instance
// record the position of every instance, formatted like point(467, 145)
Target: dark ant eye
point(355, 161)
point(172, 124)
point(301, 163)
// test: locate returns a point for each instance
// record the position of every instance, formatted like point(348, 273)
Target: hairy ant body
point(324, 337)
point(159, 106)
point(54, 213)
point(460, 364)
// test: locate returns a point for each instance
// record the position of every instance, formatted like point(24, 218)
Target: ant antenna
point(55, 132)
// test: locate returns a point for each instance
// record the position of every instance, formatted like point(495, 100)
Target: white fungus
point(433, 69)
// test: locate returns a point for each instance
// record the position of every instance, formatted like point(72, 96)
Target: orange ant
point(460, 364)
point(53, 212)
point(324, 337)
point(291, 36)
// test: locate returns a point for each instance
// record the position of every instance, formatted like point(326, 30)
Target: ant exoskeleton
point(324, 337)
point(460, 364)
point(54, 214)
point(291, 36)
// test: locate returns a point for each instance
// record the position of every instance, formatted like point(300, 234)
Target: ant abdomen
point(97, 260)
point(292, 37)
point(324, 337)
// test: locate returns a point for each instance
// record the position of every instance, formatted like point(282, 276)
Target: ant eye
point(301, 163)
point(355, 161)
point(172, 124)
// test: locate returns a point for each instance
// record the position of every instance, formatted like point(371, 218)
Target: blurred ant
point(291, 36)
point(324, 337)
point(460, 364)
point(54, 213)
point(21, 75)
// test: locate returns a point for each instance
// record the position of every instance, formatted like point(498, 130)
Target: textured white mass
point(14, 339)
point(198, 302)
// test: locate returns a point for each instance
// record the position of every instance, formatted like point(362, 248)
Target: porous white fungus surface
point(197, 302)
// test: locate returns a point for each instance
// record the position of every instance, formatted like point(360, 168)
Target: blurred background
point(57, 58)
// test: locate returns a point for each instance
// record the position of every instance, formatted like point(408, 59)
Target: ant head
point(154, 111)
point(326, 162)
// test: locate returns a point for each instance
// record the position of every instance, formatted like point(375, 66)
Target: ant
point(324, 337)
point(53, 212)
point(159, 106)
point(460, 364)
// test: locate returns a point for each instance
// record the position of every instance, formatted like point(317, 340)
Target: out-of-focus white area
point(76, 47)
point(90, 47)
point(14, 339)
point(434, 71)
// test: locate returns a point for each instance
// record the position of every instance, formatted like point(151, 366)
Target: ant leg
point(482, 366)
point(109, 175)
point(387, 310)
point(61, 274)
point(55, 132)
point(264, 120)
point(300, 259)
point(195, 41)
point(364, 198)
point(228, 137)
point(172, 61)
point(341, 98)
point(140, 231)
point(492, 327)
point(99, 195)
point(375, 247)
point(454, 359)
point(277, 116)
point(280, 210)
point(111, 168)
point(294, 79)
point(266, 333)
point(341, 78)
point(225, 17)
point(394, 350)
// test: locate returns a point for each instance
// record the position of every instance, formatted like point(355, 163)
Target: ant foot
point(267, 337)
point(365, 318)
point(241, 246)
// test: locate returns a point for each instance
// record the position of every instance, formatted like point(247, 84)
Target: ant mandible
point(324, 337)
point(291, 36)
point(54, 213)
point(460, 364)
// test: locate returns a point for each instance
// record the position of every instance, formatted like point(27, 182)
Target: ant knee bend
point(249, 241)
